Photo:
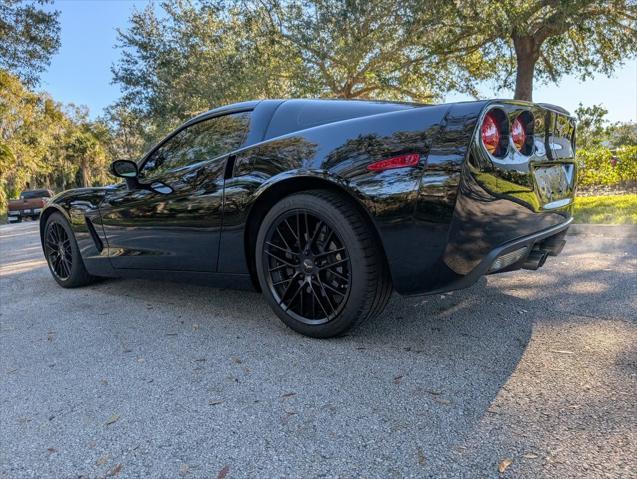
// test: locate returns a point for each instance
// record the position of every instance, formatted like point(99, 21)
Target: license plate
point(554, 182)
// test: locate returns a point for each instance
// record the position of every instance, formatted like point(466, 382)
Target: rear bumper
point(548, 242)
point(16, 214)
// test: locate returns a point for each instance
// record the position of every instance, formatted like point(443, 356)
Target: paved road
point(135, 378)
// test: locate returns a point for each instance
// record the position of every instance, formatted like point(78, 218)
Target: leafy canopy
point(29, 36)
point(542, 39)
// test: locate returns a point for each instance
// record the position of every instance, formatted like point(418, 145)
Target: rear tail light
point(401, 161)
point(494, 131)
point(491, 133)
point(518, 135)
point(522, 130)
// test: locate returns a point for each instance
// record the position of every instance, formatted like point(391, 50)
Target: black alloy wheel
point(319, 264)
point(62, 253)
point(58, 251)
point(309, 268)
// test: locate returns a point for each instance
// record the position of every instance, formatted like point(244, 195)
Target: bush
point(603, 167)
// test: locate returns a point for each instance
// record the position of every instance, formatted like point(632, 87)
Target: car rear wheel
point(319, 264)
point(63, 255)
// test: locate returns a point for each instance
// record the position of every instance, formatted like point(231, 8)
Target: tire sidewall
point(335, 219)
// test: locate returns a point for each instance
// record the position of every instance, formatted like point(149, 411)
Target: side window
point(199, 142)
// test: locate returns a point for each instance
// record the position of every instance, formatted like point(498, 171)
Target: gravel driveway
point(534, 373)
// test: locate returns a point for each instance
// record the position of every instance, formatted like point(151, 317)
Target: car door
point(173, 221)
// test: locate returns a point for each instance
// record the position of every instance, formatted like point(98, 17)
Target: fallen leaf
point(102, 460)
point(112, 419)
point(421, 456)
point(530, 455)
point(140, 360)
point(446, 402)
point(215, 402)
point(184, 470)
point(223, 473)
point(237, 360)
point(504, 464)
point(433, 392)
point(115, 471)
point(397, 379)
point(195, 327)
point(288, 395)
point(52, 450)
point(103, 381)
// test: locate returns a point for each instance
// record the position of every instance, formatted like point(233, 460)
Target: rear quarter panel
point(339, 153)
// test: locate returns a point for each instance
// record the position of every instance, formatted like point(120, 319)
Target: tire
point(63, 255)
point(319, 264)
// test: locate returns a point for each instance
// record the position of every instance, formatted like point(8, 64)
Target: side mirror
point(128, 170)
point(124, 169)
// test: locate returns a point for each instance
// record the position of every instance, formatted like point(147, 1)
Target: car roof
point(295, 115)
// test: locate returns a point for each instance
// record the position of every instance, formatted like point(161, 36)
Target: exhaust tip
point(535, 260)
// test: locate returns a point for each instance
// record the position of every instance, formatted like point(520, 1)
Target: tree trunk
point(85, 177)
point(527, 52)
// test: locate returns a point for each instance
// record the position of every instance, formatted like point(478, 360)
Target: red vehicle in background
point(29, 205)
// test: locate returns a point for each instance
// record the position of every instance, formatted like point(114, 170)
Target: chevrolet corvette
point(328, 206)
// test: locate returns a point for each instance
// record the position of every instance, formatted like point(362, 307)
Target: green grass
point(620, 209)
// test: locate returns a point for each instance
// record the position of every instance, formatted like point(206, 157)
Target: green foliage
point(603, 167)
point(620, 209)
point(622, 134)
point(193, 56)
point(29, 36)
point(44, 144)
point(527, 39)
point(593, 129)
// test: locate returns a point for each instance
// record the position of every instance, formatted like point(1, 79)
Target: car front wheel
point(319, 264)
point(63, 255)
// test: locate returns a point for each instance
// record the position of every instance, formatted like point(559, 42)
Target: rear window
point(29, 195)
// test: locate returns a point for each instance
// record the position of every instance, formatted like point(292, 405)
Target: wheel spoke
point(335, 263)
point(318, 300)
point(283, 238)
point(287, 288)
point(338, 275)
point(329, 302)
point(333, 289)
point(291, 230)
point(317, 230)
point(336, 251)
point(281, 266)
point(281, 248)
point(287, 263)
point(298, 290)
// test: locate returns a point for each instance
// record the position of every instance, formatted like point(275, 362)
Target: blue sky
point(80, 72)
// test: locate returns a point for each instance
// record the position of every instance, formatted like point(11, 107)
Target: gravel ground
point(133, 378)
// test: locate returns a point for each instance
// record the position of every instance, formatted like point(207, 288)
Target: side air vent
point(96, 239)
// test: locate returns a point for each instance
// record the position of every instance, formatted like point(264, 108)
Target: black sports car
point(327, 206)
